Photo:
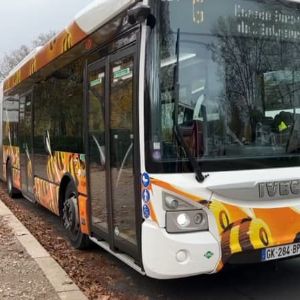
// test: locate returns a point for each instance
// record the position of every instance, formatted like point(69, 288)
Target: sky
point(21, 21)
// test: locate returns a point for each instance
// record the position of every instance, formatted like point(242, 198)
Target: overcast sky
point(23, 20)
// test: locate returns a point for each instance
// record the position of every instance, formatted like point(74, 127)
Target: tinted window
point(58, 108)
point(10, 120)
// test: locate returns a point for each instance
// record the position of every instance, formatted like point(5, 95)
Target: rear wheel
point(70, 216)
point(11, 190)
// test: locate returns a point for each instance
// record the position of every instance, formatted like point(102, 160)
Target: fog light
point(181, 256)
point(171, 202)
point(183, 220)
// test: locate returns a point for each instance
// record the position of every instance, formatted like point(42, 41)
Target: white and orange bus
point(167, 132)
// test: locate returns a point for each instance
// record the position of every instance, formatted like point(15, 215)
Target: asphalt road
point(261, 281)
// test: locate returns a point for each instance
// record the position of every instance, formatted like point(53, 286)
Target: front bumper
point(167, 256)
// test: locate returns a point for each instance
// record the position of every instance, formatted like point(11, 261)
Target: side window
point(58, 109)
point(25, 119)
point(10, 120)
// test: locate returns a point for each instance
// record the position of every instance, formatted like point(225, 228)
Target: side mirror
point(139, 13)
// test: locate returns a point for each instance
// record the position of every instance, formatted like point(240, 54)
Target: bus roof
point(84, 23)
point(24, 60)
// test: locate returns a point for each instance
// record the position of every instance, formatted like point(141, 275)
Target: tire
point(70, 219)
point(11, 190)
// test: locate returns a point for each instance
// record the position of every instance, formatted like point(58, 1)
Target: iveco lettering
point(284, 188)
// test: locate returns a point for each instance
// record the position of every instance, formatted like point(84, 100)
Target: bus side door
point(113, 164)
point(26, 145)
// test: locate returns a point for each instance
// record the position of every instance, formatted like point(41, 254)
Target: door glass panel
point(26, 143)
point(97, 153)
point(22, 134)
point(121, 154)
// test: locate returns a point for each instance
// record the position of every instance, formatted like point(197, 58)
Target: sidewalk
point(27, 271)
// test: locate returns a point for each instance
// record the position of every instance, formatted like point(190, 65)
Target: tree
point(10, 60)
point(43, 38)
point(258, 68)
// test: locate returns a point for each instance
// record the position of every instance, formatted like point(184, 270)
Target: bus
point(167, 132)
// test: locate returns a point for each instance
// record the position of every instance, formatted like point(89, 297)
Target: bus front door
point(26, 141)
point(112, 151)
point(122, 140)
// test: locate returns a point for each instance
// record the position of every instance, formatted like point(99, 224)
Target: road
point(261, 281)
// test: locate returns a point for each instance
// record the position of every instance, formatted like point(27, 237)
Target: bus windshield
point(227, 74)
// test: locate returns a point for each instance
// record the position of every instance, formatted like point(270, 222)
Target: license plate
point(280, 252)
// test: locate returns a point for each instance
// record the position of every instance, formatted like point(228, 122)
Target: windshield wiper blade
point(196, 167)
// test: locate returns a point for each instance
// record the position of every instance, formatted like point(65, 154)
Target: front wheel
point(70, 218)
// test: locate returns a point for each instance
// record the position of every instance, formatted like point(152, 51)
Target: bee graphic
point(67, 42)
point(198, 13)
point(33, 67)
point(17, 77)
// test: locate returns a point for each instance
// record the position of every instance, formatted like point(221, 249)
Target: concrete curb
point(65, 288)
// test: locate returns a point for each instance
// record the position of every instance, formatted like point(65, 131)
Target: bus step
point(123, 257)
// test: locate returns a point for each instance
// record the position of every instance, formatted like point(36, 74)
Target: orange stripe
point(171, 188)
point(220, 266)
point(83, 214)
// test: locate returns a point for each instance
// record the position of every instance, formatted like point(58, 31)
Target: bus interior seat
point(192, 133)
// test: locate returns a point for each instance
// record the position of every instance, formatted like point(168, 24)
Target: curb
point(63, 285)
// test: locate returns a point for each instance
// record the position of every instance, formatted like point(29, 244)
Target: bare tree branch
point(10, 60)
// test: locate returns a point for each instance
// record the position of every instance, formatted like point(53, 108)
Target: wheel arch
point(12, 191)
point(8, 163)
point(8, 160)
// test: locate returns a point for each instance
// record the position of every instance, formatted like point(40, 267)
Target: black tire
point(70, 219)
point(11, 190)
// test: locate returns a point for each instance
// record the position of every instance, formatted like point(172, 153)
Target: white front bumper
point(162, 258)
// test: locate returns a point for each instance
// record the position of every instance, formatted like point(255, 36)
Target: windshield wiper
point(176, 129)
point(196, 167)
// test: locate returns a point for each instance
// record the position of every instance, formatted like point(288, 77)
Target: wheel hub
point(70, 214)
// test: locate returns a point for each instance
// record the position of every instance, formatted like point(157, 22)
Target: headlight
point(186, 221)
point(171, 202)
point(183, 220)
point(183, 216)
